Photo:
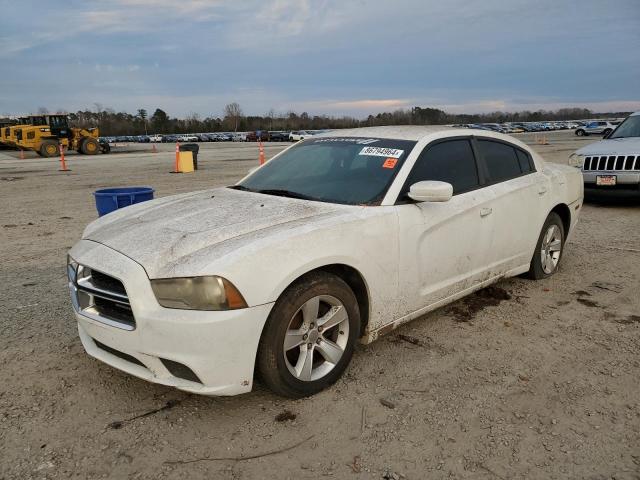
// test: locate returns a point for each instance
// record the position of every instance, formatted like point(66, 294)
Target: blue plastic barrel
point(110, 199)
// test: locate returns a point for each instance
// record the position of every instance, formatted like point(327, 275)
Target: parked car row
point(521, 127)
point(254, 136)
point(581, 127)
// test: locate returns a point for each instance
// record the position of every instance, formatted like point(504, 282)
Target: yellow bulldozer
point(45, 134)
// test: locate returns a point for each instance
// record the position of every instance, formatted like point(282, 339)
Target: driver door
point(444, 246)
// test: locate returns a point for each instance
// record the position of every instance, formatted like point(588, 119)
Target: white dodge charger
point(338, 239)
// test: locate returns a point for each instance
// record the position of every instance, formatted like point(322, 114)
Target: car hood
point(163, 231)
point(613, 146)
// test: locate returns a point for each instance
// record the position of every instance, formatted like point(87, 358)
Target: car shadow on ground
point(612, 199)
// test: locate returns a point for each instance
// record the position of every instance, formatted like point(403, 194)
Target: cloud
point(322, 56)
point(354, 106)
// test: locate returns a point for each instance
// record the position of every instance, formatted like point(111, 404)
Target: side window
point(526, 164)
point(450, 161)
point(500, 158)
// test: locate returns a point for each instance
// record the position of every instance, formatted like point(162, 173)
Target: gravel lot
point(524, 380)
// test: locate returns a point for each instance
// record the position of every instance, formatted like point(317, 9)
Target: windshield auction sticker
point(390, 163)
point(381, 152)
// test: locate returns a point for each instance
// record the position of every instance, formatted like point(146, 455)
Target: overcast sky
point(321, 56)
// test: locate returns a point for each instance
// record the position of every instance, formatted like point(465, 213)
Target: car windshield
point(629, 128)
point(346, 170)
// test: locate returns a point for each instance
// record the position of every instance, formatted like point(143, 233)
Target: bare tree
point(233, 113)
point(271, 114)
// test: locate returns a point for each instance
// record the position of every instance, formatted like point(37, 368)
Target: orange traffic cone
point(21, 154)
point(261, 154)
point(177, 165)
point(154, 149)
point(63, 164)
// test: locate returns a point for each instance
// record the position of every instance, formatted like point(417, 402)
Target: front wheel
point(49, 148)
point(309, 337)
point(89, 146)
point(580, 133)
point(549, 248)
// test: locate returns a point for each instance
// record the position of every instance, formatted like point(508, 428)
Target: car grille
point(101, 297)
point(612, 163)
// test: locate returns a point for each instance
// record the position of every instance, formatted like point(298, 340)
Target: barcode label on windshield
point(381, 152)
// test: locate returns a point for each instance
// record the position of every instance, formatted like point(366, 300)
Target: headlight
point(72, 269)
point(197, 293)
point(576, 160)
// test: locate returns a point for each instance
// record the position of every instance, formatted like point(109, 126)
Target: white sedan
point(338, 239)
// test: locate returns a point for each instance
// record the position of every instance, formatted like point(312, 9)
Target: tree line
point(111, 122)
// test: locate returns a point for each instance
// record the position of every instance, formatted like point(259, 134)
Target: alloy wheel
point(550, 249)
point(316, 338)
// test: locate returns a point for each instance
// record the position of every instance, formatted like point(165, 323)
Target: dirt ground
point(523, 380)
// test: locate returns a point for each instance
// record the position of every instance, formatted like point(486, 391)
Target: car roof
point(400, 132)
point(420, 132)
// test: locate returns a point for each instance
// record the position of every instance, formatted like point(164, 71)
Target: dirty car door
point(444, 246)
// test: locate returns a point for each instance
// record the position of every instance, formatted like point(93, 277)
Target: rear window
point(526, 164)
point(500, 159)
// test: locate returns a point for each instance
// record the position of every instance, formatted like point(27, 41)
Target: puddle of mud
point(464, 310)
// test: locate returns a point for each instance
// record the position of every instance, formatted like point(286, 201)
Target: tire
point(606, 132)
point(105, 148)
point(283, 370)
point(89, 146)
point(580, 132)
point(544, 249)
point(49, 148)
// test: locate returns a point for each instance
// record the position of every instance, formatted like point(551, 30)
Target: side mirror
point(431, 191)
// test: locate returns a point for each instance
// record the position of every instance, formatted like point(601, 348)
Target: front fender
point(366, 240)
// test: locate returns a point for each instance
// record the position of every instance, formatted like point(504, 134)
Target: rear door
point(444, 246)
point(518, 191)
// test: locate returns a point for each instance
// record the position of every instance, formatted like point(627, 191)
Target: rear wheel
point(580, 132)
point(549, 248)
point(49, 148)
point(606, 132)
point(309, 337)
point(89, 146)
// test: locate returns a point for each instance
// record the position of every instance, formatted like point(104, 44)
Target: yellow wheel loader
point(4, 130)
point(46, 133)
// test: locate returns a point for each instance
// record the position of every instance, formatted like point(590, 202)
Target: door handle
point(485, 211)
point(542, 190)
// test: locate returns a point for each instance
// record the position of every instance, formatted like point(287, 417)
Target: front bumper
point(629, 179)
point(218, 347)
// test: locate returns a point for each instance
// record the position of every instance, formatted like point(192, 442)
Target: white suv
point(612, 163)
point(600, 127)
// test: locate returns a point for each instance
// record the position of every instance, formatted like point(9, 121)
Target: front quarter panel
point(263, 264)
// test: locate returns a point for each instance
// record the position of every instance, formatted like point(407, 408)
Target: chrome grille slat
point(87, 284)
point(587, 163)
point(103, 300)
